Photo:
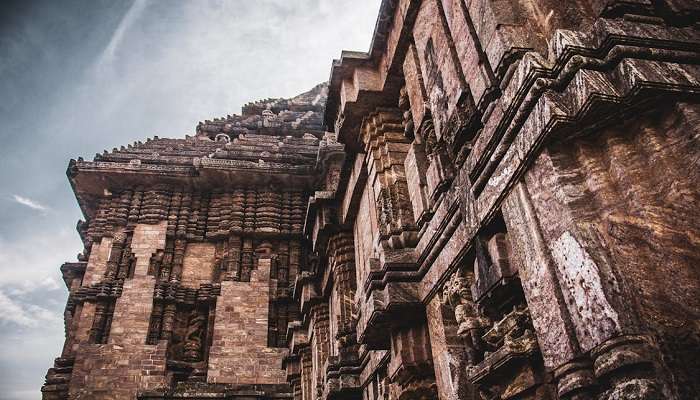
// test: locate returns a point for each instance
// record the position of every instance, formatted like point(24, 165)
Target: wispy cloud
point(23, 267)
point(127, 21)
point(34, 205)
point(25, 315)
point(19, 289)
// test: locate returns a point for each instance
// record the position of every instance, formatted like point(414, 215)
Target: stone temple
point(499, 200)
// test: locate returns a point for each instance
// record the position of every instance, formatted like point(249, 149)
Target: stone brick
point(240, 354)
point(506, 207)
point(199, 264)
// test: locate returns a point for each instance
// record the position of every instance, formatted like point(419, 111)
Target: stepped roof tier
point(279, 137)
point(298, 116)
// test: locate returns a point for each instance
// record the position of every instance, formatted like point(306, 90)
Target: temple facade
point(499, 200)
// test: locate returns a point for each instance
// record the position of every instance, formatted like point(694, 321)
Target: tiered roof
point(274, 142)
point(297, 116)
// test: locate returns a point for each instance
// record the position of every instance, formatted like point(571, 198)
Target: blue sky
point(78, 77)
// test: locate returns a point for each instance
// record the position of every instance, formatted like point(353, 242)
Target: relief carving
point(194, 336)
point(436, 86)
point(500, 346)
point(472, 324)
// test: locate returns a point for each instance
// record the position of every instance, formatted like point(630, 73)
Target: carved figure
point(193, 338)
point(471, 322)
point(514, 331)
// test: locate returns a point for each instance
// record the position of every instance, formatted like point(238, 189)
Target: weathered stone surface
point(184, 284)
point(239, 352)
point(199, 264)
point(497, 201)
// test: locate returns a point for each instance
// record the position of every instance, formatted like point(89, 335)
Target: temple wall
point(110, 371)
point(504, 205)
point(107, 372)
point(547, 212)
point(199, 264)
point(166, 298)
point(239, 353)
point(628, 218)
point(366, 235)
point(97, 262)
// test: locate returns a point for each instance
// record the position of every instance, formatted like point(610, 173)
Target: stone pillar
point(416, 162)
point(344, 294)
point(307, 389)
point(296, 388)
point(341, 380)
point(616, 237)
point(449, 353)
point(410, 368)
point(126, 364)
point(550, 317)
point(386, 148)
point(320, 346)
point(342, 257)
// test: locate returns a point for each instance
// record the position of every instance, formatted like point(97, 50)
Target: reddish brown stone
point(498, 200)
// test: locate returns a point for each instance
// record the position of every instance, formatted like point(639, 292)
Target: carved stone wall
point(624, 229)
point(546, 200)
point(497, 201)
point(184, 282)
point(239, 352)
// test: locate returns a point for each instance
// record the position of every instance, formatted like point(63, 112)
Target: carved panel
point(502, 353)
point(386, 149)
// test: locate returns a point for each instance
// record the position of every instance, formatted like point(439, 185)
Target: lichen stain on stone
point(498, 179)
point(586, 298)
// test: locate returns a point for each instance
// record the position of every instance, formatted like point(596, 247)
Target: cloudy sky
point(77, 77)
